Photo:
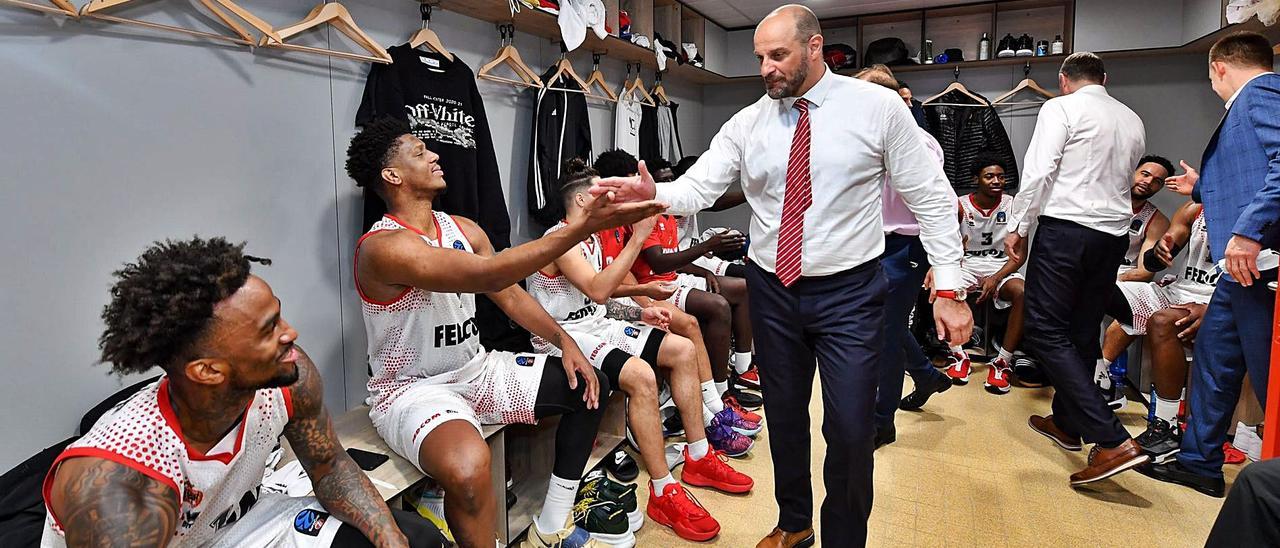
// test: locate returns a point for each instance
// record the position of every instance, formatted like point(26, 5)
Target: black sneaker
point(1174, 472)
point(597, 484)
point(1114, 396)
point(672, 426)
point(1026, 47)
point(746, 399)
point(1161, 440)
point(1006, 48)
point(604, 519)
point(1027, 373)
point(935, 384)
point(621, 465)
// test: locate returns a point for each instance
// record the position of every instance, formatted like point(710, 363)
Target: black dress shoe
point(1174, 472)
point(935, 384)
point(885, 435)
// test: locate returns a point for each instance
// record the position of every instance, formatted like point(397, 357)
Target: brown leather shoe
point(1104, 463)
point(1045, 427)
point(783, 539)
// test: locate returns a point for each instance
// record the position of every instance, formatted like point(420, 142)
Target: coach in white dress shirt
point(811, 155)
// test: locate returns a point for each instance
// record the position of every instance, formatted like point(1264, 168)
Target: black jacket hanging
point(650, 144)
point(561, 132)
point(964, 132)
point(440, 101)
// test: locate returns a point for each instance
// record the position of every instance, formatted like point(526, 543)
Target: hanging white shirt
point(860, 133)
point(1080, 164)
point(626, 129)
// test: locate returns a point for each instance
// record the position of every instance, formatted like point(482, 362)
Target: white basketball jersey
point(213, 490)
point(421, 335)
point(564, 302)
point(1200, 274)
point(1137, 235)
point(985, 230)
point(687, 230)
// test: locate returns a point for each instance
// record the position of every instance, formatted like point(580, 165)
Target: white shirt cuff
point(946, 277)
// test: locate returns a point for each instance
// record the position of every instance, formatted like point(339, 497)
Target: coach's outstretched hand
point(607, 211)
point(628, 189)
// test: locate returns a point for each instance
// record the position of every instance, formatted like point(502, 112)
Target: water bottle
point(928, 52)
point(984, 47)
point(1118, 370)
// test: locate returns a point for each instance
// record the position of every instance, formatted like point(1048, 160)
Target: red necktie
point(796, 200)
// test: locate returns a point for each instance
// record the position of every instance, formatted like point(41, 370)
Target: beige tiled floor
point(968, 472)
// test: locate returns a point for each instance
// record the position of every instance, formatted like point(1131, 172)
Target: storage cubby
point(693, 28)
point(641, 12)
point(666, 20)
point(905, 25)
point(961, 27)
point(1041, 19)
point(611, 16)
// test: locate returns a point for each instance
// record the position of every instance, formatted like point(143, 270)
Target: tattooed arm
point(624, 312)
point(102, 503)
point(339, 484)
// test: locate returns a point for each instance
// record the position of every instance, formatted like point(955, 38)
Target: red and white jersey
point(214, 489)
point(1199, 274)
point(1137, 234)
point(985, 230)
point(563, 301)
point(421, 336)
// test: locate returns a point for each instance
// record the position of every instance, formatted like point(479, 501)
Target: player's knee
point(639, 382)
point(719, 308)
point(466, 476)
point(677, 352)
point(683, 323)
point(1163, 324)
point(1016, 289)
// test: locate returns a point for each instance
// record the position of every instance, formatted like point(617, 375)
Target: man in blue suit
point(1240, 190)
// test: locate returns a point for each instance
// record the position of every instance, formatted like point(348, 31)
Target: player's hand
point(953, 321)
point(725, 242)
point(1242, 259)
point(657, 317)
point(1164, 250)
point(576, 364)
point(1195, 313)
point(606, 211)
point(642, 228)
point(990, 285)
point(658, 291)
point(1015, 246)
point(628, 189)
point(713, 281)
point(1185, 183)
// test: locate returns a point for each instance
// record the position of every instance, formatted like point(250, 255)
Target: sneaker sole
point(1133, 463)
point(747, 432)
point(1055, 440)
point(621, 540)
point(1189, 485)
point(958, 381)
point(1164, 457)
point(747, 385)
point(996, 389)
point(661, 519)
point(635, 520)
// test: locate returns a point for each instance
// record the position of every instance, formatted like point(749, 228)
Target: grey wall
point(115, 137)
point(1107, 25)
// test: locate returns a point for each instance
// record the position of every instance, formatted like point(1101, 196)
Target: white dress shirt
point(860, 132)
point(897, 216)
point(1246, 82)
point(1080, 164)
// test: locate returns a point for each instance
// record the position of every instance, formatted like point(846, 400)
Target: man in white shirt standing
point(811, 156)
point(1076, 187)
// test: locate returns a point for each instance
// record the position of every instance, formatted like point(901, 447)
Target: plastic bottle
point(928, 52)
point(984, 47)
point(1057, 49)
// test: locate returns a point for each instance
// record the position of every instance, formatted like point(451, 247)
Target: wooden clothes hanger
point(659, 92)
point(428, 37)
point(957, 86)
point(1026, 84)
point(596, 80)
point(57, 7)
point(509, 56)
point(95, 9)
point(564, 68)
point(337, 16)
point(631, 88)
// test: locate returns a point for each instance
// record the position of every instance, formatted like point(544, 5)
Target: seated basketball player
point(719, 302)
point(1169, 315)
point(433, 385)
point(180, 463)
point(574, 289)
point(984, 222)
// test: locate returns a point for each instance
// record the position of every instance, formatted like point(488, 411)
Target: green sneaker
point(597, 484)
point(605, 521)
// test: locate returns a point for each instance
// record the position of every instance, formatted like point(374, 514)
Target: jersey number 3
point(986, 238)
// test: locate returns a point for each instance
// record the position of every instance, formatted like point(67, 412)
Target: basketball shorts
point(686, 283)
point(279, 520)
point(715, 264)
point(599, 339)
point(972, 272)
point(504, 393)
point(1147, 298)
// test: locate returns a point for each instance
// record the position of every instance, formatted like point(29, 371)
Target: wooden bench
point(526, 450)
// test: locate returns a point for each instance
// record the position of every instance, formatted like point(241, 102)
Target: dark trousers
point(1234, 338)
point(1248, 516)
point(1070, 273)
point(837, 321)
point(905, 264)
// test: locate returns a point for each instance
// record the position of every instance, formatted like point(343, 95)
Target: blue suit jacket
point(1240, 172)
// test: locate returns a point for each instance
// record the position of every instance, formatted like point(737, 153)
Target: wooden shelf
point(541, 23)
point(968, 65)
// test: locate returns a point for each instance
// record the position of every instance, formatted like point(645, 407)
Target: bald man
point(813, 181)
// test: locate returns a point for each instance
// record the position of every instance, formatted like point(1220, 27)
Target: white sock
point(557, 505)
point(722, 387)
point(711, 397)
point(1102, 374)
point(1006, 355)
point(1167, 410)
point(707, 415)
point(741, 362)
point(698, 449)
point(661, 483)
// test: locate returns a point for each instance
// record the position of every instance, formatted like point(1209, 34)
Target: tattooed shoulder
point(104, 503)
